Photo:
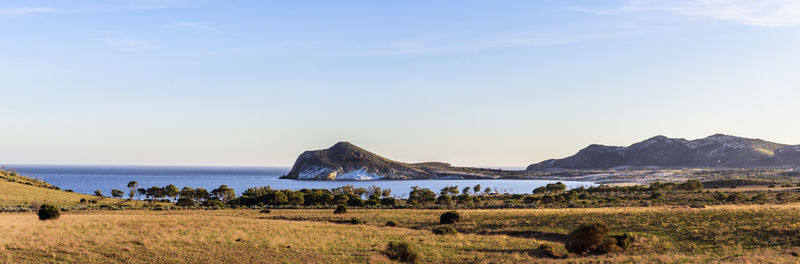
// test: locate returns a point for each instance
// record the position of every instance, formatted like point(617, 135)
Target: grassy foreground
point(740, 234)
point(745, 233)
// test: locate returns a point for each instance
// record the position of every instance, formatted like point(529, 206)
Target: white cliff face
point(314, 173)
point(360, 175)
point(328, 173)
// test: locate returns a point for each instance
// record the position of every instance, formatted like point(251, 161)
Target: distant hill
point(716, 151)
point(345, 161)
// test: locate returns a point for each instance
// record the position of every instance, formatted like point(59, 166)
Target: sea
point(87, 179)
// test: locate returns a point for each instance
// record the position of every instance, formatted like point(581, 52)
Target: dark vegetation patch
point(49, 212)
point(401, 251)
point(449, 217)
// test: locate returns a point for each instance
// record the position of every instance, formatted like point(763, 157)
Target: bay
point(87, 179)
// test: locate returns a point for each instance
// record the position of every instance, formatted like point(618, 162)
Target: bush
point(449, 217)
point(401, 251)
point(48, 212)
point(391, 223)
point(185, 202)
point(340, 209)
point(388, 201)
point(592, 238)
point(213, 203)
point(356, 221)
point(355, 201)
point(445, 230)
point(265, 211)
point(83, 200)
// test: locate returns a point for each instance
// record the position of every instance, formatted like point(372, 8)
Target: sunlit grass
point(750, 233)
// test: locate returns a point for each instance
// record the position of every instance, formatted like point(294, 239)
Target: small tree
point(386, 192)
point(132, 185)
point(226, 194)
point(201, 195)
point(117, 193)
point(476, 189)
point(171, 191)
point(98, 193)
point(48, 212)
point(186, 193)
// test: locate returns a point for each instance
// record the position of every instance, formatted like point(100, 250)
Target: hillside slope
point(18, 190)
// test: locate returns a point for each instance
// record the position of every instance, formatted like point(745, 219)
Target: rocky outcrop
point(345, 161)
point(714, 151)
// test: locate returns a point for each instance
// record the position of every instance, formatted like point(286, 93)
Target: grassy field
point(744, 234)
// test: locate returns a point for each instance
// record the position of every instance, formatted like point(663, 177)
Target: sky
point(471, 83)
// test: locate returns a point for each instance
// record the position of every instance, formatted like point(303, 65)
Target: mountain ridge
point(718, 150)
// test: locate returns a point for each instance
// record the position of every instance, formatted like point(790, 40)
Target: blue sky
point(480, 83)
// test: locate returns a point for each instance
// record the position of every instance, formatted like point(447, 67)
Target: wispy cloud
point(130, 44)
point(190, 25)
point(23, 11)
point(761, 13)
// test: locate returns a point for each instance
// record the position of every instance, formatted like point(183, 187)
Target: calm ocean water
point(87, 179)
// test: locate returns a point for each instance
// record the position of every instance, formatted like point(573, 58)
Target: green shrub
point(445, 230)
point(449, 217)
point(265, 211)
point(48, 212)
point(592, 238)
point(355, 201)
point(401, 251)
point(388, 201)
point(340, 209)
point(185, 202)
point(391, 223)
point(213, 203)
point(656, 196)
point(372, 202)
point(356, 221)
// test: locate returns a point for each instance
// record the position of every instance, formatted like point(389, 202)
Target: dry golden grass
point(223, 237)
point(245, 236)
point(17, 194)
